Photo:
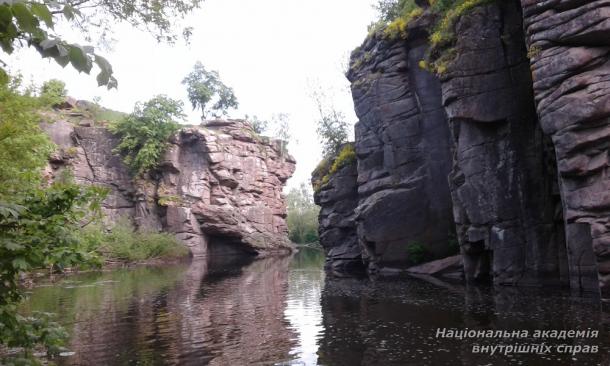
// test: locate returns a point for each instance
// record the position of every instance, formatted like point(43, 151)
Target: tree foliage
point(332, 127)
point(260, 126)
point(145, 133)
point(53, 92)
point(160, 18)
point(302, 215)
point(23, 147)
point(37, 223)
point(33, 23)
point(280, 129)
point(207, 92)
point(392, 9)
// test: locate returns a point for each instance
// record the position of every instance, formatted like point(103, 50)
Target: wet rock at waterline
point(503, 181)
point(218, 187)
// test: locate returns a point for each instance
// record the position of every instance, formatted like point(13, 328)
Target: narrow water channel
point(283, 311)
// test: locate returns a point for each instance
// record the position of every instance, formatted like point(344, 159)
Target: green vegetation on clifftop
point(331, 165)
point(395, 16)
point(145, 133)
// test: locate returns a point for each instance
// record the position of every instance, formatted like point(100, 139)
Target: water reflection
point(283, 311)
point(303, 309)
point(213, 314)
point(395, 323)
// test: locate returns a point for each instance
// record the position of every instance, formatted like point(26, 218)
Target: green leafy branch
point(32, 23)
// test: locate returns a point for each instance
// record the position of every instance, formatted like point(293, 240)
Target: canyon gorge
point(494, 166)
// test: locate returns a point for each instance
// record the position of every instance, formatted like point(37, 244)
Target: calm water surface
point(283, 311)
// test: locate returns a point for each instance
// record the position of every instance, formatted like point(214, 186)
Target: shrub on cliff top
point(346, 156)
point(330, 165)
point(53, 92)
point(394, 16)
point(145, 133)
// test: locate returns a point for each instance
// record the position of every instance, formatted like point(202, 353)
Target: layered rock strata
point(403, 150)
point(218, 187)
point(503, 185)
point(512, 138)
point(338, 199)
point(569, 43)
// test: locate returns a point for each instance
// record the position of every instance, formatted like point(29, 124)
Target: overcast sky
point(272, 52)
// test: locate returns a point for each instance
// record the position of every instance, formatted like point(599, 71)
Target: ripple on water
point(282, 311)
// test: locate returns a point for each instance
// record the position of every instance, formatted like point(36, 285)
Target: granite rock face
point(403, 150)
point(512, 138)
point(218, 187)
point(338, 200)
point(569, 42)
point(505, 196)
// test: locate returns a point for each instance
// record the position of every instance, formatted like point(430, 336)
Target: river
point(285, 311)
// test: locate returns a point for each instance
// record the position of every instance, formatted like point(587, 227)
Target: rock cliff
point(338, 199)
point(570, 63)
point(218, 187)
point(506, 146)
point(403, 149)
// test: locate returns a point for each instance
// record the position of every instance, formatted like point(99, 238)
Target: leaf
point(69, 12)
point(27, 21)
point(105, 75)
point(6, 16)
point(79, 59)
point(12, 246)
point(63, 50)
point(63, 61)
point(48, 43)
point(20, 263)
point(43, 13)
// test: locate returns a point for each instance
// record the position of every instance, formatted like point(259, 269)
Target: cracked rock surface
point(218, 187)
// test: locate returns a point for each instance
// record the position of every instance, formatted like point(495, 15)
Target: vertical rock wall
point(503, 185)
point(403, 150)
point(524, 109)
point(569, 45)
point(338, 199)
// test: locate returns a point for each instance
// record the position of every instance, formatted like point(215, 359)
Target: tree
point(204, 87)
point(24, 148)
point(33, 22)
point(259, 126)
point(53, 92)
point(38, 224)
point(332, 127)
point(281, 127)
point(302, 215)
point(145, 133)
point(392, 9)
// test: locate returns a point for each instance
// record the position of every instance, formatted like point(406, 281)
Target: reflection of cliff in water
point(395, 323)
point(217, 313)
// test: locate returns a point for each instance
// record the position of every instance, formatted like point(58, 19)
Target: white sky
point(270, 51)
